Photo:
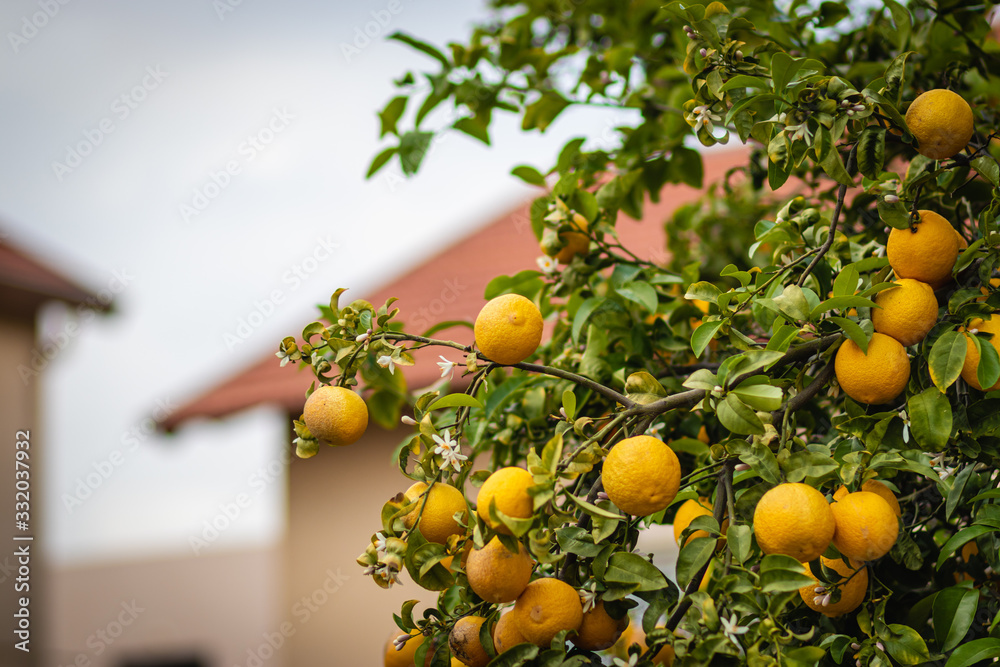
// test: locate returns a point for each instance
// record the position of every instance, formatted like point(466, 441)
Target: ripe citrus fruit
point(576, 243)
point(506, 634)
point(465, 644)
point(508, 329)
point(970, 369)
point(335, 415)
point(927, 254)
point(441, 503)
point(641, 475)
point(599, 630)
point(496, 574)
point(879, 489)
point(853, 586)
point(793, 519)
point(874, 378)
point(941, 122)
point(404, 657)
point(508, 488)
point(866, 526)
point(545, 608)
point(690, 510)
point(907, 312)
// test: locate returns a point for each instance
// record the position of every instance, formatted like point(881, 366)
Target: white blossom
point(703, 117)
point(546, 264)
point(385, 361)
point(447, 367)
point(380, 545)
point(732, 629)
point(449, 451)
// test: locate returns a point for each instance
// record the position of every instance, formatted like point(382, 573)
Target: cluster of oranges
point(922, 256)
point(641, 475)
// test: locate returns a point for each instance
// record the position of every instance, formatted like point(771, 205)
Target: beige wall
point(18, 411)
point(334, 505)
point(220, 608)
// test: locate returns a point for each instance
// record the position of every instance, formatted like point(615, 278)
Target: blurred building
point(26, 286)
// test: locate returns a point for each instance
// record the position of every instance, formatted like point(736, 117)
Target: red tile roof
point(26, 283)
point(448, 286)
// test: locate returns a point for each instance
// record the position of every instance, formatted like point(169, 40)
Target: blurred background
point(183, 183)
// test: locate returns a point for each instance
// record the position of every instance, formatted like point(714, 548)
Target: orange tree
point(803, 383)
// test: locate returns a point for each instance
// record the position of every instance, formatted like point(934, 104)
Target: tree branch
point(841, 195)
point(597, 387)
point(800, 399)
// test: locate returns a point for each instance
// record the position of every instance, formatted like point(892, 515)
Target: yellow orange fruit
point(438, 507)
point(464, 642)
point(970, 369)
point(508, 488)
point(506, 634)
point(508, 329)
point(925, 252)
point(599, 630)
point(866, 526)
point(876, 377)
point(690, 510)
point(335, 416)
point(576, 242)
point(941, 122)
point(641, 475)
point(793, 519)
point(545, 608)
point(906, 312)
point(853, 586)
point(879, 489)
point(496, 574)
point(403, 657)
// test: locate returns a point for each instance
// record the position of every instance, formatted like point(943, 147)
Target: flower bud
point(409, 421)
point(703, 52)
point(891, 199)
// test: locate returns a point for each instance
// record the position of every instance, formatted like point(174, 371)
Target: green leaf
point(412, 148)
point(529, 175)
point(634, 571)
point(957, 490)
point(455, 401)
point(782, 338)
point(703, 291)
point(988, 169)
point(842, 303)
point(904, 23)
point(641, 293)
point(975, 651)
point(905, 644)
point(895, 215)
point(846, 282)
point(871, 151)
point(424, 47)
point(954, 611)
point(760, 396)
point(989, 364)
point(738, 539)
point(380, 161)
point(738, 417)
point(569, 403)
point(959, 539)
point(780, 573)
point(516, 656)
point(853, 331)
point(583, 313)
point(930, 419)
point(833, 165)
point(703, 335)
point(693, 555)
point(540, 114)
point(594, 510)
point(946, 359)
point(391, 113)
point(894, 75)
point(793, 303)
point(473, 127)
point(643, 388)
point(783, 69)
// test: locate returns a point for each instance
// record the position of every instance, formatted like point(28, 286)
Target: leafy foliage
point(732, 329)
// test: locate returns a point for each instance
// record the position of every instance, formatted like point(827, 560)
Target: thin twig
point(841, 195)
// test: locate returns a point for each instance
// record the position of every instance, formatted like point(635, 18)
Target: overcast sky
point(195, 159)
